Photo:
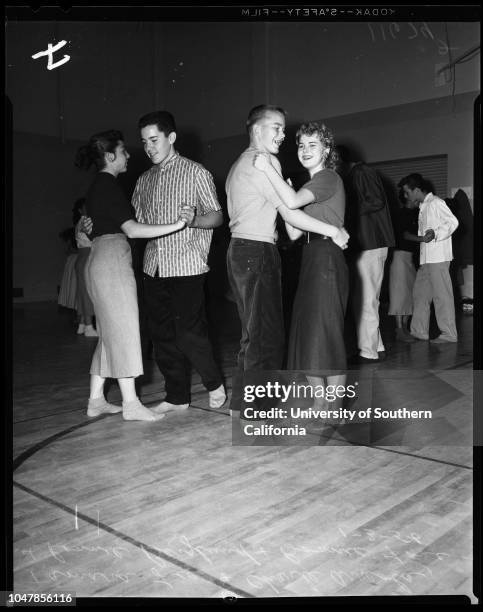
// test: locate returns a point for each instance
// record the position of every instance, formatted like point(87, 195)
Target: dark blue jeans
point(254, 272)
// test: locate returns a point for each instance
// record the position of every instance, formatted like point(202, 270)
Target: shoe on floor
point(404, 336)
point(164, 407)
point(81, 328)
point(467, 305)
point(99, 406)
point(419, 336)
point(442, 340)
point(90, 332)
point(217, 397)
point(359, 360)
point(136, 411)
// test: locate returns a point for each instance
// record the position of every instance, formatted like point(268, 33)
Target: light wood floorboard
point(109, 508)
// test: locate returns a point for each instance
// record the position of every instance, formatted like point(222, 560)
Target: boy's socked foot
point(217, 397)
point(135, 411)
point(165, 407)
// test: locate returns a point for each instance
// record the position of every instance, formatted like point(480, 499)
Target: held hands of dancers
point(186, 215)
point(341, 238)
point(429, 235)
point(85, 224)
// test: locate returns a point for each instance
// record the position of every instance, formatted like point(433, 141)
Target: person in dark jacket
point(370, 227)
point(462, 239)
point(402, 272)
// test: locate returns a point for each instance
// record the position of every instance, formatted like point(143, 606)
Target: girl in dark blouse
point(110, 278)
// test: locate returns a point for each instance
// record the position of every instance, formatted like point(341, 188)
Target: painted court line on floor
point(153, 551)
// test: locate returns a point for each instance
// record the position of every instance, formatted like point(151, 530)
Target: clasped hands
point(341, 238)
point(187, 214)
point(85, 224)
point(429, 235)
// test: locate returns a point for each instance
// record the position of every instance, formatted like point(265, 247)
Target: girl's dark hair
point(93, 151)
point(325, 136)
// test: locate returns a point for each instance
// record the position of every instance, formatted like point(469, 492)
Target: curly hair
point(93, 152)
point(325, 136)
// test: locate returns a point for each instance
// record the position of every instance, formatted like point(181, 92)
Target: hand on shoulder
point(262, 161)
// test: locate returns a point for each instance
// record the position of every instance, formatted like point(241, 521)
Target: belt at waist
point(311, 237)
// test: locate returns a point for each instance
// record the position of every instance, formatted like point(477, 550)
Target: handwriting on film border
point(275, 583)
point(401, 568)
point(49, 52)
point(408, 31)
point(380, 31)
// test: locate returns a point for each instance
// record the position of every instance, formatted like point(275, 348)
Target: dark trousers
point(254, 272)
point(177, 325)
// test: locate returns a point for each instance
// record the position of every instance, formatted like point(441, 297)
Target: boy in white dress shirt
point(436, 223)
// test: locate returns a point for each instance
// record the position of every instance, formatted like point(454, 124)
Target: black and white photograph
point(243, 339)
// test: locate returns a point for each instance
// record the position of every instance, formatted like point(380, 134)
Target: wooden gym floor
point(107, 508)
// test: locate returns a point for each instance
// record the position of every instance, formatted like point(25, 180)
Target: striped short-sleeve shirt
point(158, 197)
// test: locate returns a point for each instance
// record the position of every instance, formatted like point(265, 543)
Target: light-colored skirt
point(112, 288)
point(402, 275)
point(68, 285)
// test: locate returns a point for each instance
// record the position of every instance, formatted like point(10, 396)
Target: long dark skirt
point(317, 329)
